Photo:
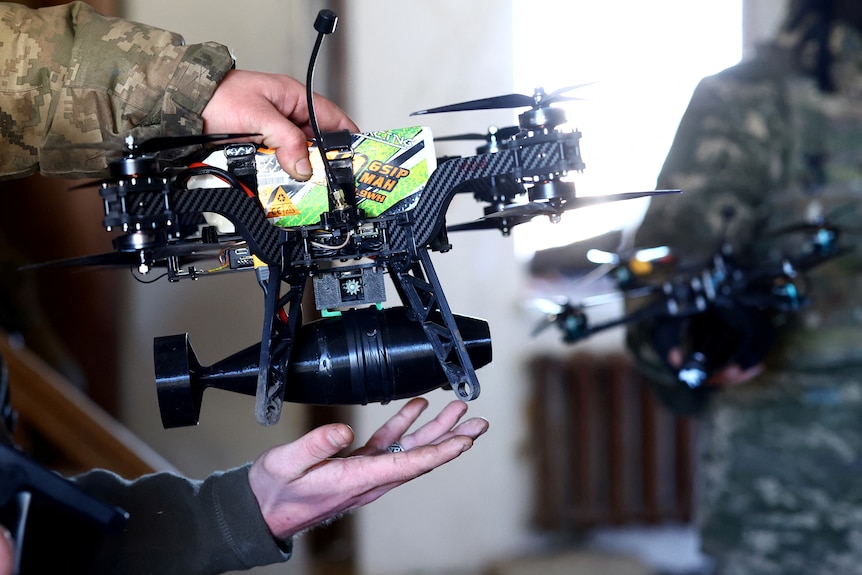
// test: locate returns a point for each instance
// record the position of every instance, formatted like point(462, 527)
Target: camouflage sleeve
point(76, 83)
point(726, 156)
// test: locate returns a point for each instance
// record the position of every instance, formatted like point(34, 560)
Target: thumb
point(293, 460)
point(320, 444)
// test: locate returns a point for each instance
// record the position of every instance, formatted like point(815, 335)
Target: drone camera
point(357, 285)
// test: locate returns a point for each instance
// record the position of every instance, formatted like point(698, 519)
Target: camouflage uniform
point(71, 76)
point(73, 85)
point(779, 458)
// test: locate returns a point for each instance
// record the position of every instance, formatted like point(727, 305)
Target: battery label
point(390, 168)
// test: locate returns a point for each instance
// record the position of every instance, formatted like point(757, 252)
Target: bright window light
point(644, 59)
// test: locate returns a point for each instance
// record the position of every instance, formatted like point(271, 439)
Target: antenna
point(325, 23)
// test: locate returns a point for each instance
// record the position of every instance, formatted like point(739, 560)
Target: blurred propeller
point(538, 208)
point(165, 143)
point(518, 213)
point(569, 317)
point(539, 99)
point(188, 250)
point(492, 138)
point(159, 143)
point(502, 224)
point(492, 134)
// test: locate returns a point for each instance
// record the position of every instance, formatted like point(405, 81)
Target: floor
point(668, 550)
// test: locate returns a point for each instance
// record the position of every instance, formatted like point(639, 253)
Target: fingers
point(311, 449)
point(7, 552)
point(301, 484)
point(341, 484)
point(471, 428)
point(397, 468)
point(432, 431)
point(735, 374)
point(275, 106)
point(288, 140)
point(330, 117)
point(292, 153)
point(397, 426)
point(674, 357)
point(443, 427)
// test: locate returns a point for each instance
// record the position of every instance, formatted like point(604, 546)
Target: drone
point(375, 206)
point(717, 306)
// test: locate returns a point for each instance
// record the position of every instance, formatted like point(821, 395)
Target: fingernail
point(339, 437)
point(303, 168)
point(467, 445)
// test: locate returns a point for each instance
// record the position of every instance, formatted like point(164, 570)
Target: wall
point(403, 57)
point(760, 21)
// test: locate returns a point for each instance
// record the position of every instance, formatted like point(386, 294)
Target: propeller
point(159, 143)
point(629, 265)
point(540, 208)
point(165, 143)
point(492, 138)
point(493, 134)
point(502, 224)
point(514, 214)
point(187, 250)
point(571, 318)
point(539, 99)
point(559, 311)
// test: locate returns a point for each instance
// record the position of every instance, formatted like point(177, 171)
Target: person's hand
point(7, 552)
point(302, 484)
point(732, 374)
point(274, 106)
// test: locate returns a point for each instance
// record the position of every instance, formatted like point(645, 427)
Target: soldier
point(776, 140)
point(71, 76)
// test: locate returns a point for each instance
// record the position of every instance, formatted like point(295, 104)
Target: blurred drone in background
point(720, 311)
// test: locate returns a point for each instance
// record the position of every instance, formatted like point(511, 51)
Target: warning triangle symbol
point(281, 205)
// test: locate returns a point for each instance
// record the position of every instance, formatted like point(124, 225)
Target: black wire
point(143, 281)
point(309, 95)
point(189, 173)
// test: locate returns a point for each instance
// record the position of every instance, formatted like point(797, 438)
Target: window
point(645, 58)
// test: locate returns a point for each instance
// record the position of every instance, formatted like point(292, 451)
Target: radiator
point(607, 453)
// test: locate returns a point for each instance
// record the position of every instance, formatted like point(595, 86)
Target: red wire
point(248, 192)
